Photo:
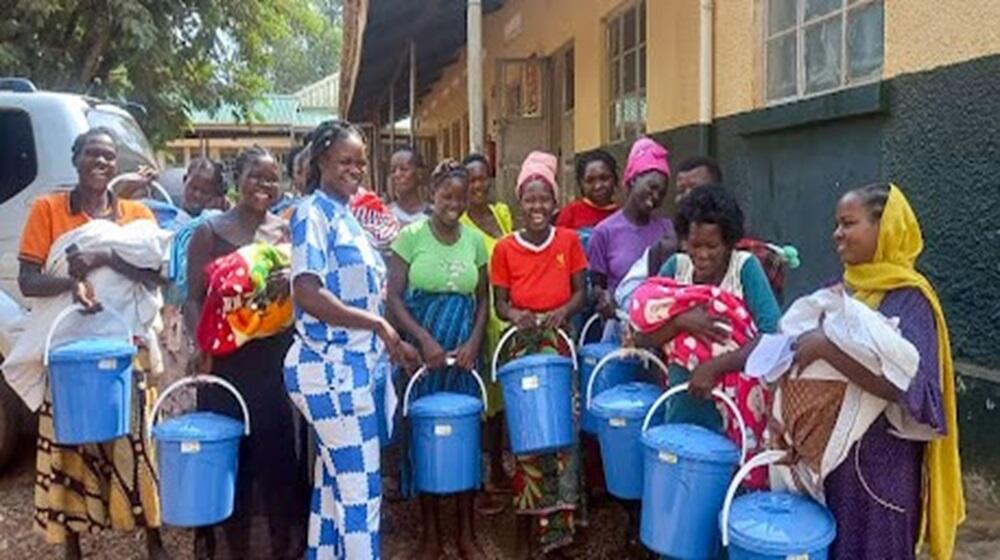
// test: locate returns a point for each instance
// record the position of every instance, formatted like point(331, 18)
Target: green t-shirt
point(436, 267)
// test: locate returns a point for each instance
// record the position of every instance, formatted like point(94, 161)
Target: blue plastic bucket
point(538, 403)
point(619, 412)
point(687, 469)
point(198, 455)
point(91, 383)
point(779, 525)
point(614, 373)
point(446, 442)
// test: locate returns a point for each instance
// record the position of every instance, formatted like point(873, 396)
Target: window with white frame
point(626, 47)
point(817, 46)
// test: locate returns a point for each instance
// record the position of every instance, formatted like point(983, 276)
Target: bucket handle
point(717, 393)
point(511, 331)
point(765, 458)
point(593, 319)
point(66, 313)
point(199, 379)
point(424, 370)
point(621, 353)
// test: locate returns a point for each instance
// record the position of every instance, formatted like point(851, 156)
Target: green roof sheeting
point(272, 109)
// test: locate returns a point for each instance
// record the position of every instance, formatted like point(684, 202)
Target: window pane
point(629, 70)
point(780, 15)
point(642, 67)
point(781, 67)
point(865, 29)
point(616, 89)
point(822, 56)
point(642, 21)
point(630, 29)
point(817, 8)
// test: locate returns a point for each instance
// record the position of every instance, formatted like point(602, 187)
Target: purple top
point(884, 466)
point(617, 243)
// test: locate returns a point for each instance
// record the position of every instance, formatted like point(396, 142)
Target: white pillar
point(474, 71)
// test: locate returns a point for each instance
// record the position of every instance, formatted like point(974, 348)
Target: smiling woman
point(265, 524)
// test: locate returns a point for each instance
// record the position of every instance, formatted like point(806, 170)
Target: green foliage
point(173, 56)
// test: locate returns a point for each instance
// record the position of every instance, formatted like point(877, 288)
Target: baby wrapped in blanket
point(817, 413)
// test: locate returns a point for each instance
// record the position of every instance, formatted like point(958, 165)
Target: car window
point(133, 147)
point(18, 160)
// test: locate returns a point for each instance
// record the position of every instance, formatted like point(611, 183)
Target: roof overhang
point(377, 36)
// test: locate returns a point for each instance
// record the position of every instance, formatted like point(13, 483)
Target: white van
point(37, 130)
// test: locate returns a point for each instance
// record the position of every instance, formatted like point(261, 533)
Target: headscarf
point(900, 242)
point(645, 155)
point(538, 165)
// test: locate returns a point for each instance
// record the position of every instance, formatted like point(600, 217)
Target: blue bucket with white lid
point(686, 472)
point(198, 459)
point(91, 383)
point(774, 525)
point(538, 398)
point(625, 368)
point(619, 412)
point(445, 437)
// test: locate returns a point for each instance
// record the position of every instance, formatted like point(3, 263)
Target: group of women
point(437, 289)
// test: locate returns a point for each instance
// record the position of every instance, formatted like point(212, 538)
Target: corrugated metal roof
point(272, 110)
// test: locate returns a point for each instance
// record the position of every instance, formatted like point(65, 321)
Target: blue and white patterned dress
point(330, 373)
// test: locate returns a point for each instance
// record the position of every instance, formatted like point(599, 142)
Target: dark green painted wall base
point(937, 135)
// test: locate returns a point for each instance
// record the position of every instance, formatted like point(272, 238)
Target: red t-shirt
point(539, 279)
point(583, 214)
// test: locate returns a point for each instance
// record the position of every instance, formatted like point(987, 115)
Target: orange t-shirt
point(52, 215)
point(539, 278)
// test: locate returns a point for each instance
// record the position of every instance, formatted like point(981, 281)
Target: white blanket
point(869, 338)
point(142, 244)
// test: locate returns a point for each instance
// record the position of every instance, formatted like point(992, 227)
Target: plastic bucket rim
point(748, 543)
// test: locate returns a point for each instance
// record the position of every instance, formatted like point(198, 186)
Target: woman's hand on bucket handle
point(83, 293)
point(704, 378)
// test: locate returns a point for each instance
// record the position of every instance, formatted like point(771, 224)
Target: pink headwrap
point(645, 155)
point(538, 165)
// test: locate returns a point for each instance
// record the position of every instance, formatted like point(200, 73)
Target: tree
point(309, 55)
point(172, 56)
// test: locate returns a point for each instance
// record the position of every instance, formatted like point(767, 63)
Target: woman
point(406, 169)
point(268, 521)
point(438, 297)
point(112, 485)
point(338, 284)
point(620, 240)
point(597, 175)
point(710, 223)
point(493, 221)
point(894, 492)
point(538, 278)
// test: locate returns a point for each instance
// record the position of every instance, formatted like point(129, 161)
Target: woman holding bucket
point(901, 485)
point(438, 295)
point(87, 488)
point(264, 524)
point(493, 221)
point(338, 284)
point(710, 223)
point(538, 278)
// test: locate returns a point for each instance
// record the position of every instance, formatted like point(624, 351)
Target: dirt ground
point(979, 538)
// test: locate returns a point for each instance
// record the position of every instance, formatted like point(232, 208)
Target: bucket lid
point(92, 349)
point(780, 524)
point(693, 442)
point(629, 400)
point(534, 361)
point(198, 426)
point(445, 405)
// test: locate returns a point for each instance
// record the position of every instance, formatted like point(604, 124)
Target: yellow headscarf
point(899, 244)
